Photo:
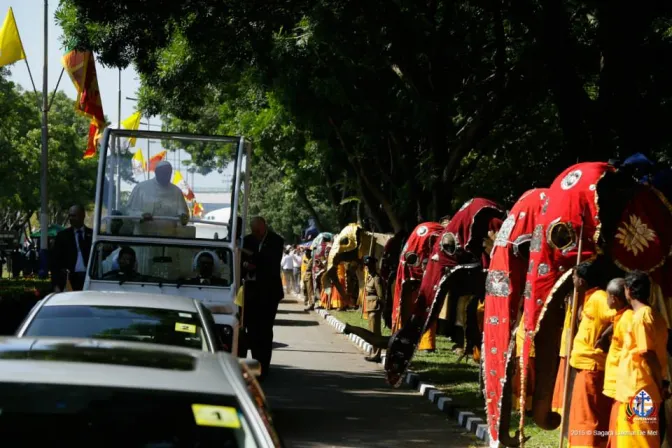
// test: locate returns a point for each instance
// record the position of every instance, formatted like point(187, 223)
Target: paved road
point(323, 394)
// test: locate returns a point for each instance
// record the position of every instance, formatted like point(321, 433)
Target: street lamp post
point(44, 198)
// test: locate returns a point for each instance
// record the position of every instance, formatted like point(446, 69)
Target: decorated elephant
point(320, 255)
point(348, 249)
point(389, 264)
point(503, 293)
point(615, 223)
point(413, 260)
point(454, 270)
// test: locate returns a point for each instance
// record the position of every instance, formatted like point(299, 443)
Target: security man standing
point(374, 303)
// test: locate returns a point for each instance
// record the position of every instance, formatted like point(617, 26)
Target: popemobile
point(146, 238)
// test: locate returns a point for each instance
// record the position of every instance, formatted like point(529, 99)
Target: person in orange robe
point(337, 301)
point(556, 404)
point(589, 411)
point(641, 384)
point(614, 339)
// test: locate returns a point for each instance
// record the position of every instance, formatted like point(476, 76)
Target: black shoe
point(309, 308)
point(374, 358)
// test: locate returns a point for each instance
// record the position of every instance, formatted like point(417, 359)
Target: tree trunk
point(303, 197)
point(375, 192)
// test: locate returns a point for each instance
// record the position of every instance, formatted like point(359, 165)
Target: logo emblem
point(422, 230)
point(641, 407)
point(635, 236)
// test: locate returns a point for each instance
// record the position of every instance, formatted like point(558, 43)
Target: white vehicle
point(120, 316)
point(84, 393)
point(148, 238)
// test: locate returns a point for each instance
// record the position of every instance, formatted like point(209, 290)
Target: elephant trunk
point(376, 340)
point(332, 275)
point(504, 434)
point(547, 342)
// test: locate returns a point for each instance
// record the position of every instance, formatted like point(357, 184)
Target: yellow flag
point(132, 123)
point(138, 162)
point(11, 47)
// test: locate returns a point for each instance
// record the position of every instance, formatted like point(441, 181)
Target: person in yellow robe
point(556, 404)
point(614, 339)
point(641, 384)
point(589, 411)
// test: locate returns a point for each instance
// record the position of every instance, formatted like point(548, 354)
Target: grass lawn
point(459, 381)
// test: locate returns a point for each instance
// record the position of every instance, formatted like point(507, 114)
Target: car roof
point(123, 299)
point(89, 362)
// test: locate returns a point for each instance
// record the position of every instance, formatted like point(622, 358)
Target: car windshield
point(86, 416)
point(169, 185)
point(159, 326)
point(147, 263)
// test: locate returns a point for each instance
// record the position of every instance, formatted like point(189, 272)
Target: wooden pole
point(569, 338)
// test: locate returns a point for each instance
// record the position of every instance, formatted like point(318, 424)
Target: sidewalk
point(324, 394)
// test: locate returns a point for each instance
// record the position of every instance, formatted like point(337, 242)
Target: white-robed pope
point(158, 196)
point(152, 199)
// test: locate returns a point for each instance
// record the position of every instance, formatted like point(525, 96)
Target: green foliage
point(71, 178)
point(413, 107)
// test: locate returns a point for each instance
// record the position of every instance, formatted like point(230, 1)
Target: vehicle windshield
point(153, 263)
point(151, 325)
point(167, 185)
point(101, 417)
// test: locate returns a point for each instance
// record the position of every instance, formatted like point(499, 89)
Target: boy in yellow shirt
point(613, 339)
point(589, 411)
point(640, 389)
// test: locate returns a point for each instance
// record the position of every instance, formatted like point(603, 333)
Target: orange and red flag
point(81, 68)
point(155, 160)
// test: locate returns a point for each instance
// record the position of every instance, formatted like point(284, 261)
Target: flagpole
point(148, 143)
point(117, 158)
point(30, 74)
point(44, 209)
point(53, 95)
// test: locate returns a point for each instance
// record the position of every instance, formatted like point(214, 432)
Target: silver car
point(94, 393)
point(124, 316)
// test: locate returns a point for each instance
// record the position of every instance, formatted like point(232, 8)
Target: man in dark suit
point(263, 291)
point(71, 252)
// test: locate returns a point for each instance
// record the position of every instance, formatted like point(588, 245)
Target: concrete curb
point(466, 419)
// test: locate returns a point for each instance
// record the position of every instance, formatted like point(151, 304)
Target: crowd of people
point(19, 261)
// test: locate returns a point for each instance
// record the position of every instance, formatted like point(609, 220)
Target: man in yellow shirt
point(613, 339)
point(589, 412)
point(640, 388)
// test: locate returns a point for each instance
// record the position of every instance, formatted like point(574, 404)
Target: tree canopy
point(71, 178)
point(410, 107)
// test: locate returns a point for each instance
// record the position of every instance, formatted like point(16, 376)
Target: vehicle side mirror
point(253, 365)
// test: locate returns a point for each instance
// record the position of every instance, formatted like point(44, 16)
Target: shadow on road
point(314, 408)
point(295, 323)
point(292, 312)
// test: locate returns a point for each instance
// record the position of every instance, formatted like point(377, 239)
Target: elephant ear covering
point(412, 261)
point(643, 241)
point(458, 247)
point(503, 290)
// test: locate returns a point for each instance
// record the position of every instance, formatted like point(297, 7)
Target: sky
point(29, 15)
